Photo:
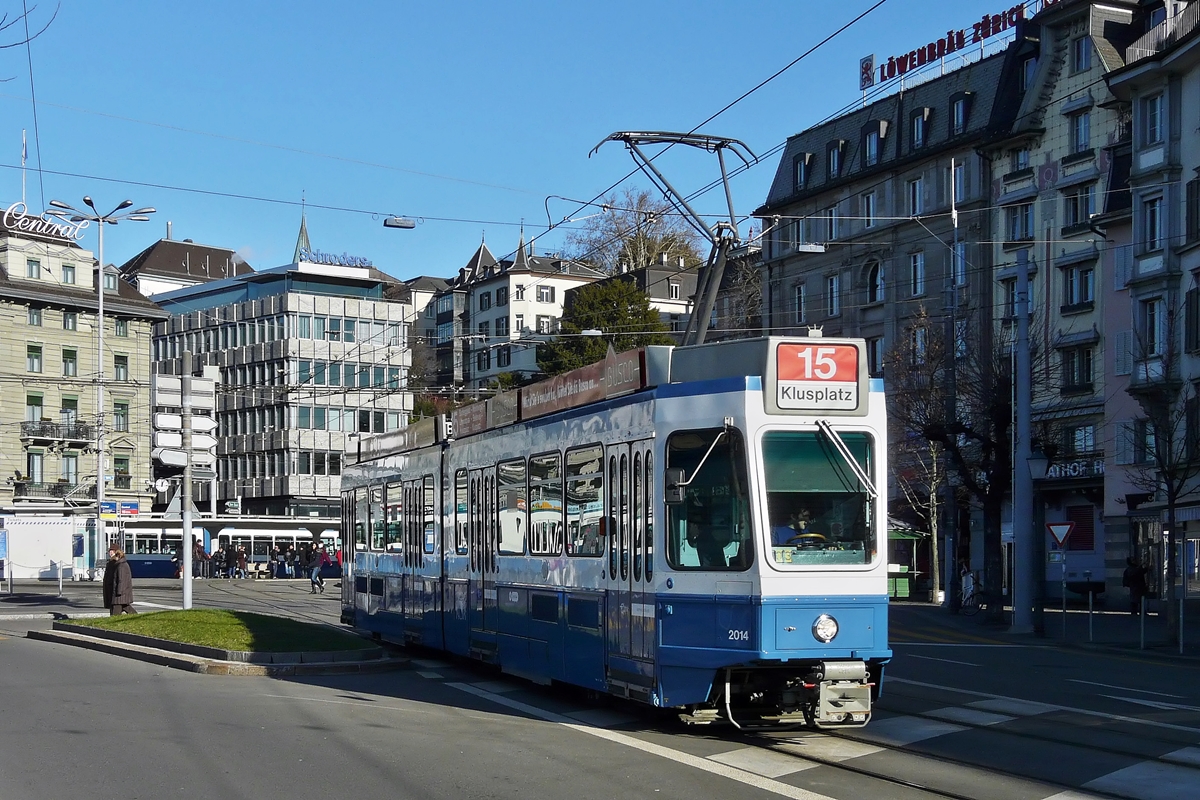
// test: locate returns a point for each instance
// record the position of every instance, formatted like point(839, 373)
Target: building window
point(1081, 439)
point(484, 329)
point(958, 182)
point(504, 356)
point(33, 408)
point(1020, 159)
point(110, 282)
point(916, 197)
point(1153, 328)
point(875, 284)
point(833, 295)
point(875, 356)
point(960, 263)
point(1079, 285)
point(1152, 121)
point(835, 160)
point(916, 274)
point(1152, 224)
point(520, 291)
point(543, 324)
point(121, 368)
point(502, 326)
point(519, 323)
point(1081, 132)
point(1080, 205)
point(917, 345)
point(485, 301)
point(1019, 220)
point(958, 116)
point(1028, 68)
point(1077, 369)
point(799, 172)
point(483, 359)
point(70, 321)
point(1008, 298)
point(35, 317)
point(545, 294)
point(33, 358)
point(831, 223)
point(872, 148)
point(502, 296)
point(799, 298)
point(918, 130)
point(445, 304)
point(33, 268)
point(68, 273)
point(1081, 54)
point(121, 417)
point(70, 363)
point(673, 290)
point(122, 328)
point(445, 332)
point(868, 210)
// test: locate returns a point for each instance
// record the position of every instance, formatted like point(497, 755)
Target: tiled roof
point(185, 259)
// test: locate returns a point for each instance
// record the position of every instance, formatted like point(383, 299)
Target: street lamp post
point(63, 210)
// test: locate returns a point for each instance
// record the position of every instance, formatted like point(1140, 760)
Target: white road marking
point(905, 730)
point(495, 687)
point(696, 762)
point(830, 748)
point(767, 763)
point(1188, 755)
point(1073, 795)
point(1017, 708)
point(994, 702)
point(425, 664)
point(1149, 780)
point(1152, 703)
point(969, 716)
point(157, 605)
point(1125, 688)
point(943, 660)
point(433, 676)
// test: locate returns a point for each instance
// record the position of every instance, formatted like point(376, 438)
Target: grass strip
point(232, 630)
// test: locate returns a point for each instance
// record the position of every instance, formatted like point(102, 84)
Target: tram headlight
point(825, 628)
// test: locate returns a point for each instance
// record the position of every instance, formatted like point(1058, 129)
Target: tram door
point(482, 545)
point(626, 608)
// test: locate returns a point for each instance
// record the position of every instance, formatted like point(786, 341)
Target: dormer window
point(873, 133)
point(960, 113)
point(800, 165)
point(834, 160)
point(918, 128)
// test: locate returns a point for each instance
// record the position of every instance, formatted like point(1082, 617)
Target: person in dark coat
point(118, 584)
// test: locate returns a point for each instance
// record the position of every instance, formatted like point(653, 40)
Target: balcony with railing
point(72, 433)
point(1164, 34)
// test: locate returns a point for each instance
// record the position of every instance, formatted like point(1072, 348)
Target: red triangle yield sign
point(1060, 530)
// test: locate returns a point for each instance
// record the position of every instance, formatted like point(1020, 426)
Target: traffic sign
point(172, 458)
point(203, 474)
point(168, 439)
point(108, 509)
point(203, 458)
point(168, 422)
point(203, 424)
point(202, 441)
point(1061, 531)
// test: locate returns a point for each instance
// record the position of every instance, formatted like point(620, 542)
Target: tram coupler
point(843, 694)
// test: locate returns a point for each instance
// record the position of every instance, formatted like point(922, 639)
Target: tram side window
point(710, 530)
point(360, 519)
point(460, 511)
point(649, 506)
point(392, 534)
point(429, 506)
point(377, 518)
point(818, 510)
point(510, 476)
point(545, 504)
point(585, 501)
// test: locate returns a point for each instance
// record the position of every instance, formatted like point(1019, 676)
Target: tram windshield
point(710, 530)
point(818, 511)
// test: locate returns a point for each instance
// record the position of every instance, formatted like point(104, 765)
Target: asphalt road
point(967, 713)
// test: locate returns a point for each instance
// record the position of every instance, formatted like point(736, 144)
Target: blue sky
point(465, 115)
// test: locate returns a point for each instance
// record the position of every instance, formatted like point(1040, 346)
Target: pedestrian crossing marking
point(495, 687)
point(426, 664)
point(1148, 780)
point(602, 718)
point(1188, 755)
point(433, 676)
point(905, 730)
point(830, 748)
point(767, 763)
point(969, 716)
point(1017, 708)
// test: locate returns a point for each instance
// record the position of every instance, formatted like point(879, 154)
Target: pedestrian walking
point(1134, 579)
point(241, 561)
point(314, 572)
point(118, 584)
point(231, 562)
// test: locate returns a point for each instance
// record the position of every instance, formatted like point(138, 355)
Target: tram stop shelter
point(908, 550)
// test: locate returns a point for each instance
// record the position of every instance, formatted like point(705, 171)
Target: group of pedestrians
point(230, 563)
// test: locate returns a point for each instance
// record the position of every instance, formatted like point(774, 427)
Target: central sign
point(817, 376)
point(17, 219)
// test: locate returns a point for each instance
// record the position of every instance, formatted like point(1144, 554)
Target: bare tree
point(971, 422)
point(634, 229)
point(1165, 445)
point(918, 468)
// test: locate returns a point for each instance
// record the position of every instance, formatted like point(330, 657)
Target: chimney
point(681, 261)
point(664, 259)
point(168, 230)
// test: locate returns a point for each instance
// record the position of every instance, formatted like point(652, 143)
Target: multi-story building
point(1061, 181)
point(670, 288)
point(1153, 365)
point(496, 311)
point(50, 423)
point(313, 356)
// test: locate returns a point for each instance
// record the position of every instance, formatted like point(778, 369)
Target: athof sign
point(332, 259)
point(991, 25)
point(17, 218)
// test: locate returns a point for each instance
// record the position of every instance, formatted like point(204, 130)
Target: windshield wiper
point(847, 456)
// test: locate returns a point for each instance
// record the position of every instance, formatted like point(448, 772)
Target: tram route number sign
point(817, 376)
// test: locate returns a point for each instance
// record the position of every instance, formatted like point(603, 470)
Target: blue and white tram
point(700, 528)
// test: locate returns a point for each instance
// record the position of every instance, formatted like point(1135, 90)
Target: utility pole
point(1024, 553)
point(186, 504)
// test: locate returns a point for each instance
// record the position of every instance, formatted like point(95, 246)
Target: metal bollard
point(1181, 625)
point(59, 565)
point(1091, 598)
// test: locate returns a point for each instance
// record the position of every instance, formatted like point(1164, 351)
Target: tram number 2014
point(739, 636)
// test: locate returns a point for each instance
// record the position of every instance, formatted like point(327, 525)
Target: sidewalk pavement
point(1107, 629)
